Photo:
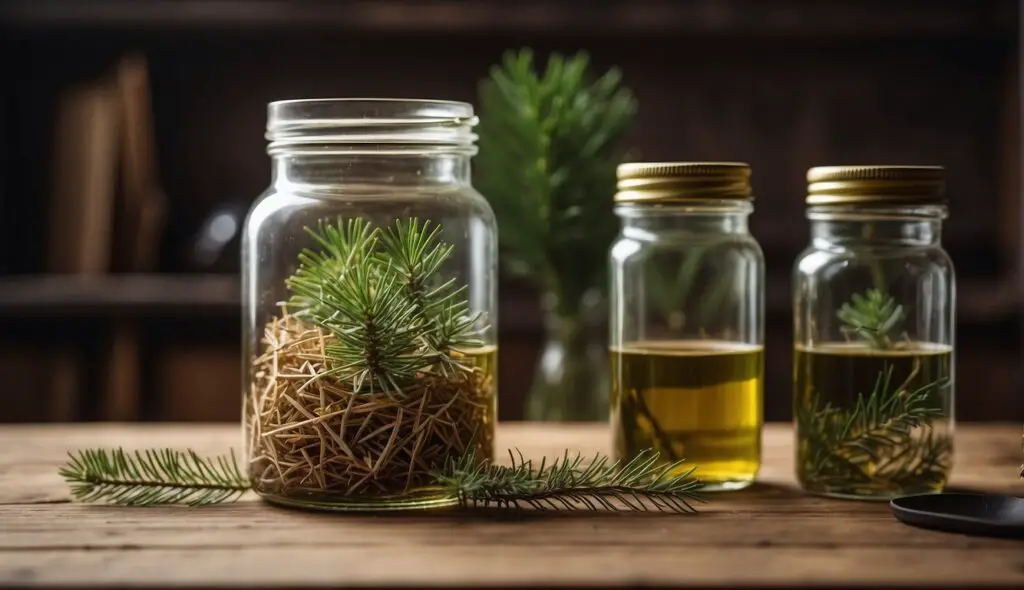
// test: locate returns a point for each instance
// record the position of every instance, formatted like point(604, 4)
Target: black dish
point(987, 515)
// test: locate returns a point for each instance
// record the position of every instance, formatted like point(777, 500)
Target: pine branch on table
point(573, 483)
point(162, 477)
point(153, 477)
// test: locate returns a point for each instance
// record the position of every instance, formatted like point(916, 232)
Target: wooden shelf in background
point(856, 18)
point(53, 296)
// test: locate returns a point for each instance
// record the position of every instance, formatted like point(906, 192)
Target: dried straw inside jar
point(311, 433)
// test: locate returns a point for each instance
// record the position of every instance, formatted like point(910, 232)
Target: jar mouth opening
point(848, 212)
point(709, 206)
point(359, 124)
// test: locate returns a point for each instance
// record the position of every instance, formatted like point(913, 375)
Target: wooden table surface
point(767, 536)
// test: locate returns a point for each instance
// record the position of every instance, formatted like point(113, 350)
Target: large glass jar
point(369, 299)
point(687, 320)
point(873, 334)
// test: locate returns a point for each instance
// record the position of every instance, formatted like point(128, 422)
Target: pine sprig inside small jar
point(889, 438)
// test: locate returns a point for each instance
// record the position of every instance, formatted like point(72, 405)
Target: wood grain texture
point(768, 536)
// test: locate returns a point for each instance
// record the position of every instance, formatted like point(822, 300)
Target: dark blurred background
point(132, 142)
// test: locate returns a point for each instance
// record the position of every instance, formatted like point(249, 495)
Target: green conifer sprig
point(166, 476)
point(550, 142)
point(861, 444)
point(885, 439)
point(374, 292)
point(574, 483)
point(874, 317)
point(153, 477)
point(417, 254)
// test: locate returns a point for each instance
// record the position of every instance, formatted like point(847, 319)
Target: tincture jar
point(369, 299)
point(873, 299)
point(687, 317)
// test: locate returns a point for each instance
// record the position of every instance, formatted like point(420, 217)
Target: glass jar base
point(728, 485)
point(852, 494)
point(326, 503)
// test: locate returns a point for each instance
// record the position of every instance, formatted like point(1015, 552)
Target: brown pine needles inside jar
point(373, 376)
point(315, 434)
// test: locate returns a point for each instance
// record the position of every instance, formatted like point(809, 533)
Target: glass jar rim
point(863, 212)
point(710, 205)
point(358, 124)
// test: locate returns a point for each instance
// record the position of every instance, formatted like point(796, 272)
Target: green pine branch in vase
point(376, 326)
point(549, 148)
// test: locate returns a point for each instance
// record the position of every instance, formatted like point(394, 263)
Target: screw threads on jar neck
point(370, 126)
point(369, 142)
point(876, 205)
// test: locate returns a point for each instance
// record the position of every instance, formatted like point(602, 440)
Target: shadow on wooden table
point(492, 513)
point(965, 490)
point(744, 500)
point(774, 491)
point(763, 490)
point(525, 512)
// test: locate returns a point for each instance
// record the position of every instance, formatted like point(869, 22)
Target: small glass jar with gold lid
point(874, 298)
point(687, 316)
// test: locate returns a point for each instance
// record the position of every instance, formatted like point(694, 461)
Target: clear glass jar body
point(352, 398)
point(686, 342)
point(874, 304)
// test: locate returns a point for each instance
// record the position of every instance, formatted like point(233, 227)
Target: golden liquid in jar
point(698, 401)
point(839, 377)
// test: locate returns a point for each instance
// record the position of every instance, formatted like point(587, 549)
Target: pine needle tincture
point(369, 297)
point(687, 317)
point(873, 333)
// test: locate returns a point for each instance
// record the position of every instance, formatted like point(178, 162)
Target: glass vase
point(571, 380)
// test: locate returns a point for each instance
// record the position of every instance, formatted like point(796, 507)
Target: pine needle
point(153, 477)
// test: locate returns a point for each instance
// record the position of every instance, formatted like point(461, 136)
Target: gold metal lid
point(669, 182)
point(876, 185)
